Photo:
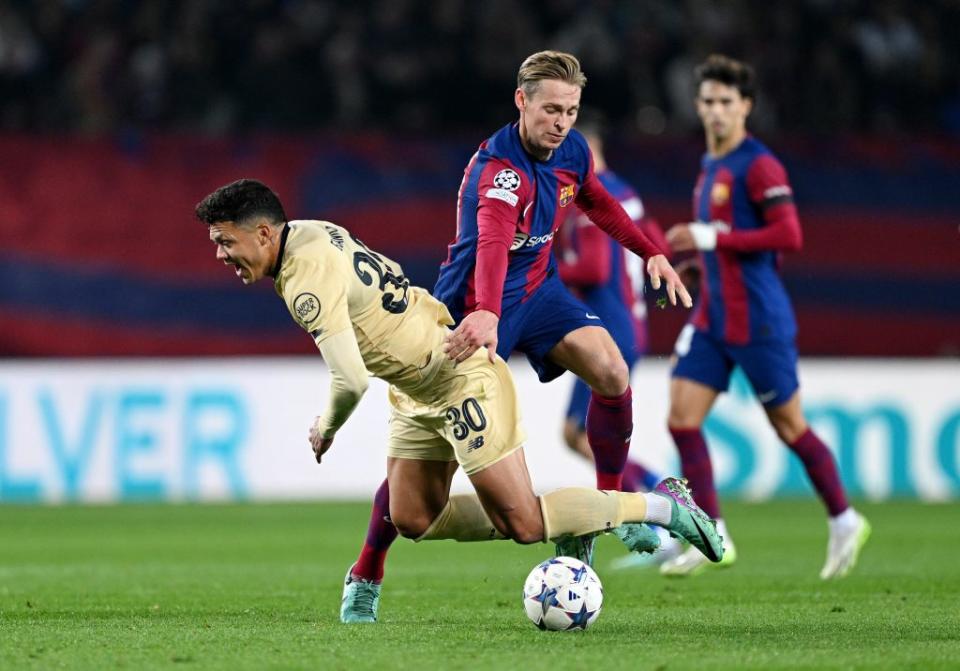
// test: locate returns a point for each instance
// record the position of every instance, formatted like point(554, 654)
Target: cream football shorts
point(473, 416)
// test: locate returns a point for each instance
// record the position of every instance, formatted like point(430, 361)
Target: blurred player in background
point(366, 319)
point(500, 278)
point(745, 218)
point(610, 282)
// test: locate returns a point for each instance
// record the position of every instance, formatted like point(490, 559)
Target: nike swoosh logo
point(767, 396)
point(590, 316)
point(711, 555)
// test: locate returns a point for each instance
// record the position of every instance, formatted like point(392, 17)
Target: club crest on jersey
point(507, 179)
point(307, 307)
point(566, 194)
point(720, 193)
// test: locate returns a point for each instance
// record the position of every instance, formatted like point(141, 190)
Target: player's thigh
point(551, 314)
point(481, 414)
point(506, 492)
point(591, 354)
point(419, 490)
point(420, 464)
point(690, 403)
point(771, 368)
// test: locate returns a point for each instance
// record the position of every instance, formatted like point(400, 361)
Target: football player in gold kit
point(367, 319)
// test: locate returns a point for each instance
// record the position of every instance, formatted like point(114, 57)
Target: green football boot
point(687, 521)
point(578, 547)
point(638, 537)
point(361, 600)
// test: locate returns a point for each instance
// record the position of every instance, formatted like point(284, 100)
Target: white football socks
point(659, 509)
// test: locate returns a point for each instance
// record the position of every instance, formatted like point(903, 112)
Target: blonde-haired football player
point(366, 319)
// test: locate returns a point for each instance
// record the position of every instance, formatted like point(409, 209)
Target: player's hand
point(319, 444)
point(695, 235)
point(660, 270)
point(680, 239)
point(475, 330)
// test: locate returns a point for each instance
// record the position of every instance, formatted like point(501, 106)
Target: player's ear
point(520, 99)
point(264, 231)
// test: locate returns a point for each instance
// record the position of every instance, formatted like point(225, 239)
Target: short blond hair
point(549, 65)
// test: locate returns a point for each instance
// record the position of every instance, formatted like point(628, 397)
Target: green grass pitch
point(258, 587)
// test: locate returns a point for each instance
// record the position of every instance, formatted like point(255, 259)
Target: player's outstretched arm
point(476, 330)
point(604, 211)
point(348, 383)
point(661, 271)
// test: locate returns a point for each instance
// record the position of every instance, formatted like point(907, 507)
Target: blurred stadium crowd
point(116, 116)
point(221, 66)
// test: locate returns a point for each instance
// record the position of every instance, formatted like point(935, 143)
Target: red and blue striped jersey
point(509, 208)
point(747, 194)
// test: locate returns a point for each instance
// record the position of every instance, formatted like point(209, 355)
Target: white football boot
point(849, 532)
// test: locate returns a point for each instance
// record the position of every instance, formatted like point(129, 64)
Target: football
point(562, 594)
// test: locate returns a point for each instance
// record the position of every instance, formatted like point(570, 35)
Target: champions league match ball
point(562, 594)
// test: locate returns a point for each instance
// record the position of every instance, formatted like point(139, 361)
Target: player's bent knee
point(683, 415)
point(523, 528)
point(612, 378)
point(524, 533)
point(411, 526)
point(789, 433)
point(680, 420)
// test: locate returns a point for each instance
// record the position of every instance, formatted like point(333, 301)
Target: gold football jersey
point(331, 281)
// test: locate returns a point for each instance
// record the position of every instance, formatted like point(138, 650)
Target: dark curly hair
point(728, 71)
point(240, 202)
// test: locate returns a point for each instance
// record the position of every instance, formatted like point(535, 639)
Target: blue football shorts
point(770, 365)
point(537, 324)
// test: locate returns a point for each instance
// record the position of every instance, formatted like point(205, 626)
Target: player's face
point(247, 249)
point(722, 110)
point(548, 115)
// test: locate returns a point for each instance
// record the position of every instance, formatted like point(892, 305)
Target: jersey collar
point(283, 245)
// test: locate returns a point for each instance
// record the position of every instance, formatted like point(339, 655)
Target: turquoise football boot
point(688, 521)
point(578, 547)
point(361, 600)
point(638, 537)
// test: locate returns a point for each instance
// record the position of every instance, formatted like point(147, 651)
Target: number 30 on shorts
point(468, 417)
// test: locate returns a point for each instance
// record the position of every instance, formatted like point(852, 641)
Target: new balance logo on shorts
point(475, 444)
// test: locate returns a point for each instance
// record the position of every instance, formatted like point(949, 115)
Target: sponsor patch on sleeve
point(778, 191)
point(507, 179)
point(775, 195)
point(502, 194)
point(307, 307)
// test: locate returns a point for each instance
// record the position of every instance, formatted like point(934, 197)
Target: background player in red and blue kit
point(745, 218)
point(609, 280)
point(501, 285)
